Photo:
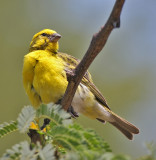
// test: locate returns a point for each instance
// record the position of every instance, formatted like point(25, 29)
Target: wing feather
point(86, 80)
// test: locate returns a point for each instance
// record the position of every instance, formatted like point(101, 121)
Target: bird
point(45, 81)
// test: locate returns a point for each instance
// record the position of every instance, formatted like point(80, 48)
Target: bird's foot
point(72, 112)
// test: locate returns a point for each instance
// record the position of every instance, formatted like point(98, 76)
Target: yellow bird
point(45, 81)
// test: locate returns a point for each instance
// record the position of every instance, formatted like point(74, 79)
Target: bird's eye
point(44, 34)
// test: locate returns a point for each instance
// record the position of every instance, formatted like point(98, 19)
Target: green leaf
point(106, 156)
point(7, 128)
point(47, 153)
point(65, 137)
point(91, 140)
point(22, 151)
point(55, 113)
point(24, 119)
point(121, 157)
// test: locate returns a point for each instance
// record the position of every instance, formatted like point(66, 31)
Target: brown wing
point(86, 80)
point(99, 97)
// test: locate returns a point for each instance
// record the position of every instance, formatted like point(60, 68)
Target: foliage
point(63, 139)
point(152, 152)
point(6, 128)
point(23, 151)
point(65, 136)
point(24, 119)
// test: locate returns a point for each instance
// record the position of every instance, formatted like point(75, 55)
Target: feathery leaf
point(24, 119)
point(55, 113)
point(22, 151)
point(7, 128)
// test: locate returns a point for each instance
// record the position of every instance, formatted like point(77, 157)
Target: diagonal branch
point(97, 43)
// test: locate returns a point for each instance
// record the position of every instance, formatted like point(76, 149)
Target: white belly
point(80, 97)
point(84, 102)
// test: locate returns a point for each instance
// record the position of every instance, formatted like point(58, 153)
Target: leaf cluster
point(23, 151)
point(63, 139)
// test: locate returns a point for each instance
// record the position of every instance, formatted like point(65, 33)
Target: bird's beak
point(54, 37)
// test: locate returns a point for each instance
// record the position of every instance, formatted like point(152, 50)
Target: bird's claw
point(72, 112)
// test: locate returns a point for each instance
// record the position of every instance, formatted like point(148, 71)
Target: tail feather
point(125, 124)
point(128, 134)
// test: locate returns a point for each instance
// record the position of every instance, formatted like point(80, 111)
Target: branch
point(36, 137)
point(97, 43)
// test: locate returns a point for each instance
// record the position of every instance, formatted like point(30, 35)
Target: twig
point(97, 43)
point(36, 137)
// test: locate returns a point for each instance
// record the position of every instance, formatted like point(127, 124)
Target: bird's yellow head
point(45, 40)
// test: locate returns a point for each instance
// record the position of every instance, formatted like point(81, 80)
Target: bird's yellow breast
point(44, 77)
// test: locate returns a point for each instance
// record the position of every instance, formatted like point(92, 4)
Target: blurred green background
point(124, 71)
